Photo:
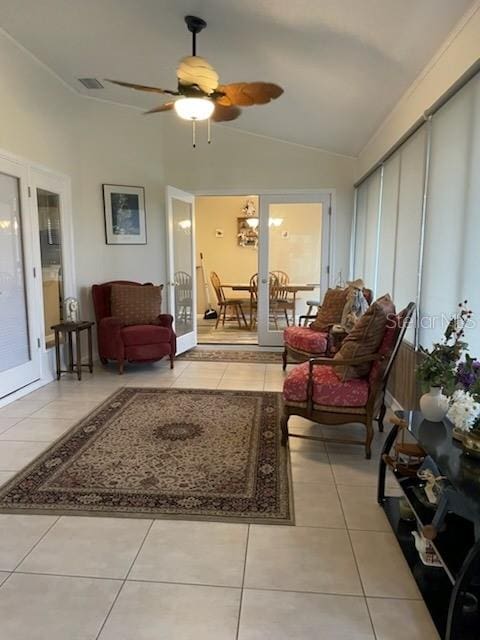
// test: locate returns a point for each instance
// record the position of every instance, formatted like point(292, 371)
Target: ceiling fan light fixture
point(195, 109)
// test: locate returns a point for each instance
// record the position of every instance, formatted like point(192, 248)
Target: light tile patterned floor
point(338, 574)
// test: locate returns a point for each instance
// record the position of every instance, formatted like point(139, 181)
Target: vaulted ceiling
point(343, 63)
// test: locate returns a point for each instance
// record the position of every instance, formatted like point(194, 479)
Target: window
point(366, 225)
point(450, 265)
point(389, 224)
point(427, 248)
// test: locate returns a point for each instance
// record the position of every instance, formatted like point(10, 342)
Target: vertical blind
point(427, 251)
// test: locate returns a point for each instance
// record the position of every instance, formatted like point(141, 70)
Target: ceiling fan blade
point(142, 87)
point(167, 106)
point(246, 94)
point(225, 114)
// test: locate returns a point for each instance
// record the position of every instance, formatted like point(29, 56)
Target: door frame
point(29, 372)
point(41, 178)
point(190, 339)
point(327, 192)
point(32, 169)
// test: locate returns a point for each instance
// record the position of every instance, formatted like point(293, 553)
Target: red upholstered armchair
point(135, 343)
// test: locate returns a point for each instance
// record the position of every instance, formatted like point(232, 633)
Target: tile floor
point(337, 574)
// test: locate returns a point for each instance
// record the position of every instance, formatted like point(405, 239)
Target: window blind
point(452, 232)
point(366, 226)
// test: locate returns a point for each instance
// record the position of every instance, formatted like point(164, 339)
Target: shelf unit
point(443, 588)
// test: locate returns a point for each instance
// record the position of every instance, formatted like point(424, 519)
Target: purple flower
point(468, 373)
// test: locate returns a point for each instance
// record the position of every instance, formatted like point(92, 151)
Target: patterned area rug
point(165, 453)
point(231, 355)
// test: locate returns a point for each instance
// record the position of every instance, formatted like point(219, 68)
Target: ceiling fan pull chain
point(194, 142)
point(209, 131)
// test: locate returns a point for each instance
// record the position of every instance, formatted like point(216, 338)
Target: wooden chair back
point(217, 287)
point(282, 279)
point(183, 286)
point(380, 372)
point(273, 287)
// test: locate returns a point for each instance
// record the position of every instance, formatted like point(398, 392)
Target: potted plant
point(437, 369)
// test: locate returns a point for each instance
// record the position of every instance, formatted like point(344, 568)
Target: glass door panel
point(181, 267)
point(19, 358)
point(294, 259)
point(50, 234)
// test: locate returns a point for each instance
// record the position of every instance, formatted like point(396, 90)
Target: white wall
point(247, 163)
point(95, 142)
point(457, 54)
point(116, 145)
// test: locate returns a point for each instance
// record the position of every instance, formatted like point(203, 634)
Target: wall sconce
point(252, 222)
point(275, 222)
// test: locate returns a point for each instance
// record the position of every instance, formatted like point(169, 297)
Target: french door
point(181, 266)
point(54, 247)
point(294, 250)
point(19, 334)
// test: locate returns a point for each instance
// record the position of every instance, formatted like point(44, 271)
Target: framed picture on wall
point(124, 208)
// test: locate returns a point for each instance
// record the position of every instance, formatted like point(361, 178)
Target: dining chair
point(183, 296)
point(224, 303)
point(284, 302)
point(273, 289)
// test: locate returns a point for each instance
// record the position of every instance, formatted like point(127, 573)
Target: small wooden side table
point(68, 329)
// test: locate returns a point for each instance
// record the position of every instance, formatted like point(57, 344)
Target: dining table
point(292, 288)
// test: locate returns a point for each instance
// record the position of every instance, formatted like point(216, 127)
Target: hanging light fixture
point(194, 109)
point(252, 222)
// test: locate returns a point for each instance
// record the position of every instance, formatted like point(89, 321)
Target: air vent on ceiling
point(91, 83)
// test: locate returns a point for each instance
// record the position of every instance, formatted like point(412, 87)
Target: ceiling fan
point(199, 96)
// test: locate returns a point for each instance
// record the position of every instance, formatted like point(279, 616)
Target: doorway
point(270, 255)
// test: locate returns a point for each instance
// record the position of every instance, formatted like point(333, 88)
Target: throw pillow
point(330, 312)
point(365, 338)
point(134, 304)
point(355, 307)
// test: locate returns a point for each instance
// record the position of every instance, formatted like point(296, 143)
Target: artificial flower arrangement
point(439, 364)
point(442, 369)
point(437, 369)
point(464, 411)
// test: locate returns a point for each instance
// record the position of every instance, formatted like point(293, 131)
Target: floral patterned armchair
point(302, 343)
point(314, 389)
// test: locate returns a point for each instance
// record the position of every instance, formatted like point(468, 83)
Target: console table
point(451, 592)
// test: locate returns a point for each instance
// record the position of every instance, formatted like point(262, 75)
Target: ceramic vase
point(434, 405)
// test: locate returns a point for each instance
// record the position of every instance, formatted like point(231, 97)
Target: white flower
point(464, 410)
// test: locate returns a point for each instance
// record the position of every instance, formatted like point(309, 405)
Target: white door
point(294, 246)
point(181, 280)
point(19, 335)
point(52, 226)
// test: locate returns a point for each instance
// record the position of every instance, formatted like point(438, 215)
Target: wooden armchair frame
point(375, 405)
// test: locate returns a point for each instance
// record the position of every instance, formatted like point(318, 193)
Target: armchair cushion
point(328, 389)
point(145, 334)
point(305, 340)
point(135, 305)
point(365, 338)
point(331, 310)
